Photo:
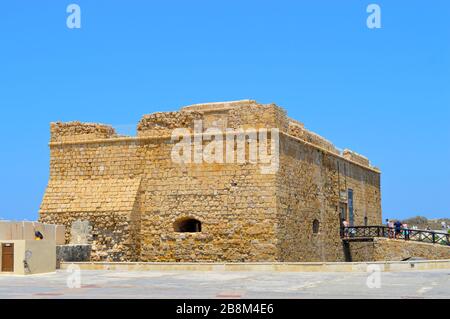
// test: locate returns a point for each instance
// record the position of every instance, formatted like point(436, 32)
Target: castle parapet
point(258, 116)
point(355, 157)
point(298, 130)
point(163, 123)
point(79, 132)
point(234, 115)
point(244, 114)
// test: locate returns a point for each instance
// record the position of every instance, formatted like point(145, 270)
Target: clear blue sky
point(383, 93)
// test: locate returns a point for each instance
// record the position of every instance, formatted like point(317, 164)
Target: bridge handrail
point(427, 236)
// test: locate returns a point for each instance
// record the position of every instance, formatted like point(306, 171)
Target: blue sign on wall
point(351, 215)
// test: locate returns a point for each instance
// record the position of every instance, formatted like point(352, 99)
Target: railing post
point(434, 238)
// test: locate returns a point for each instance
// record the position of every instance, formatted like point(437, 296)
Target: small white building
point(23, 252)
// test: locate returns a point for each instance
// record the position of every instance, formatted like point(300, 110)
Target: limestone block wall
point(355, 157)
point(384, 249)
point(76, 131)
point(390, 249)
point(73, 253)
point(237, 115)
point(257, 116)
point(305, 193)
point(298, 130)
point(112, 234)
point(235, 204)
point(309, 184)
point(132, 193)
point(98, 182)
point(95, 160)
point(162, 124)
point(360, 251)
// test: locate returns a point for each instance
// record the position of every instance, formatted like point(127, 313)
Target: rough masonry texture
point(135, 197)
point(383, 249)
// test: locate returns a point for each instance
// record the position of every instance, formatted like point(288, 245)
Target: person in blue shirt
point(398, 228)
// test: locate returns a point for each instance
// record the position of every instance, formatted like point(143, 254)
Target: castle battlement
point(244, 114)
point(77, 131)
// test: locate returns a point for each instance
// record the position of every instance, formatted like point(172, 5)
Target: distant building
point(28, 248)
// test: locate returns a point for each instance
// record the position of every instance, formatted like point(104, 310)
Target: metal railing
point(426, 236)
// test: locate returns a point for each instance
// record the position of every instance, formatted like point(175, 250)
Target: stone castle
point(143, 206)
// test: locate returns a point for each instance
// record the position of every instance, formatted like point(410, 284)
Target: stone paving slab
point(226, 285)
point(265, 266)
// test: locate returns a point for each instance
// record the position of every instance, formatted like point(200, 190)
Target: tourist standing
point(398, 228)
point(405, 231)
point(391, 229)
point(387, 225)
point(346, 224)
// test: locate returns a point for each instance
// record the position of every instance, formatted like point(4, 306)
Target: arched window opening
point(187, 225)
point(316, 226)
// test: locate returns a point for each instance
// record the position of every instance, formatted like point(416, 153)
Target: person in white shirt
point(391, 229)
point(346, 224)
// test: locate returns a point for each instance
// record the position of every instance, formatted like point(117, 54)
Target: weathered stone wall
point(298, 130)
point(258, 116)
point(384, 249)
point(73, 253)
point(391, 249)
point(235, 203)
point(91, 182)
point(309, 184)
point(355, 157)
point(162, 124)
point(76, 131)
point(360, 251)
point(112, 234)
point(98, 182)
point(132, 192)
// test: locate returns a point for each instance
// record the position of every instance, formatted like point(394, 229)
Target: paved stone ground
point(223, 285)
